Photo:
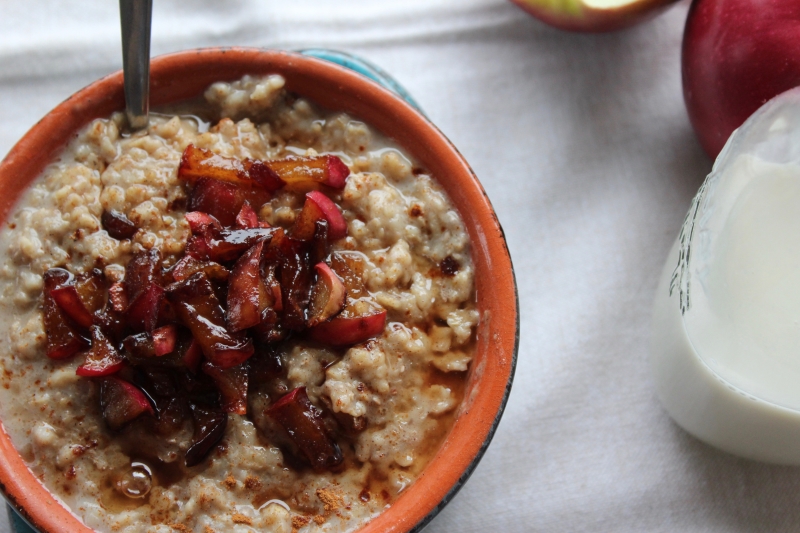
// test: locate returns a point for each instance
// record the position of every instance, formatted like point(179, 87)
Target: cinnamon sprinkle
point(331, 499)
point(239, 518)
point(229, 482)
point(252, 483)
point(299, 521)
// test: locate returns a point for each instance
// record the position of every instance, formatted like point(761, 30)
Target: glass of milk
point(726, 322)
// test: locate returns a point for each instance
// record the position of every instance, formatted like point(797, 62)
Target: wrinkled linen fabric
point(584, 147)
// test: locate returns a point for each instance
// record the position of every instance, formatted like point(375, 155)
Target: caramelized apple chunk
point(209, 428)
point(198, 308)
point(122, 402)
point(238, 280)
point(247, 218)
point(118, 225)
point(232, 386)
point(63, 339)
point(303, 422)
point(327, 296)
point(188, 265)
point(224, 200)
point(295, 278)
point(143, 289)
point(165, 340)
point(248, 297)
point(347, 330)
point(199, 163)
point(102, 359)
point(319, 170)
point(68, 300)
point(81, 297)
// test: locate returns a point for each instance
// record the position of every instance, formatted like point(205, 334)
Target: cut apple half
point(593, 16)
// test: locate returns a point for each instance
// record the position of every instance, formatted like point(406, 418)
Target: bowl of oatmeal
point(285, 305)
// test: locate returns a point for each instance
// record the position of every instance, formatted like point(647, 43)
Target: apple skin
point(574, 15)
point(737, 54)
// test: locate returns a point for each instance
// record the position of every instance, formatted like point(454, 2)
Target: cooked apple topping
point(187, 342)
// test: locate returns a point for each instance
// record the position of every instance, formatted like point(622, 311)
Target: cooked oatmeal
point(404, 385)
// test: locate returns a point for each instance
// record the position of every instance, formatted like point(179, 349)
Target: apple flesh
point(225, 245)
point(593, 16)
point(67, 298)
point(199, 163)
point(333, 215)
point(294, 277)
point(165, 339)
point(737, 54)
point(192, 357)
point(327, 296)
point(247, 218)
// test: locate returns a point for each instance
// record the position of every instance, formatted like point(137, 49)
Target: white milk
point(726, 342)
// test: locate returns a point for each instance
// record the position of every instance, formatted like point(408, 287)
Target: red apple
point(593, 15)
point(737, 54)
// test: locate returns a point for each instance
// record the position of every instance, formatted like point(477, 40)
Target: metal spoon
point(135, 17)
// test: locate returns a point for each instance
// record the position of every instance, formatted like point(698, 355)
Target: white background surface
point(583, 145)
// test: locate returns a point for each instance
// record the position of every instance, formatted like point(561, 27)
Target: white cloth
point(583, 144)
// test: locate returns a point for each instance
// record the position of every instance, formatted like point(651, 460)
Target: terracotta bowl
point(185, 75)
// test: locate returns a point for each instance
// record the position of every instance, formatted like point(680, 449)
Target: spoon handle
point(135, 17)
